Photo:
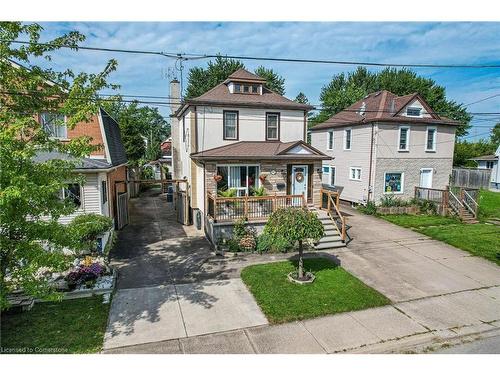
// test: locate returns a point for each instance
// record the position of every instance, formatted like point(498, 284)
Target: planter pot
point(309, 275)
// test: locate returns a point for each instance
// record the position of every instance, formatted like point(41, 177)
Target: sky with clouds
point(421, 43)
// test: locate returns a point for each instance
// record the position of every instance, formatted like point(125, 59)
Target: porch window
point(54, 124)
point(243, 178)
point(272, 126)
point(230, 125)
point(393, 182)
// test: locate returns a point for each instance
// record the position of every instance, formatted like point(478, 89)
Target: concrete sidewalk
point(398, 328)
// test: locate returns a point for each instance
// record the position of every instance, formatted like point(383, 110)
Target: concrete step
point(331, 231)
point(330, 238)
point(329, 245)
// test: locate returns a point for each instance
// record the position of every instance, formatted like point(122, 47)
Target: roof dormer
point(244, 82)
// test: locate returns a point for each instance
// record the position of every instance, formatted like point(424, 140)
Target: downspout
point(370, 192)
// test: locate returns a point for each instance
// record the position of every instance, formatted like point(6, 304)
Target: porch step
point(329, 245)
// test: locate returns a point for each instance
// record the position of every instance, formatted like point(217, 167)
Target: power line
point(482, 100)
point(192, 56)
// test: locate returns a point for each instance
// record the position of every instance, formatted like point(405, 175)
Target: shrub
point(369, 209)
point(85, 229)
point(390, 200)
point(267, 243)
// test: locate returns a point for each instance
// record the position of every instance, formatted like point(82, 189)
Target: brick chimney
point(175, 103)
point(175, 95)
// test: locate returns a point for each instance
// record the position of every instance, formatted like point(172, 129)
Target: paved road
point(489, 345)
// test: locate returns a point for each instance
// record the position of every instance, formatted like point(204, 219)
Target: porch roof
point(251, 150)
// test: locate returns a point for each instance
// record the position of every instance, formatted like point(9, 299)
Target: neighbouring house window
point(347, 139)
point(430, 144)
point(255, 89)
point(329, 144)
point(332, 176)
point(237, 87)
point(104, 192)
point(243, 178)
point(413, 111)
point(230, 124)
point(73, 193)
point(246, 88)
point(404, 138)
point(272, 126)
point(393, 182)
point(355, 173)
point(54, 124)
point(489, 165)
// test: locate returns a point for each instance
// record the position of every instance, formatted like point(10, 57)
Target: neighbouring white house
point(490, 162)
point(385, 144)
point(101, 169)
point(244, 138)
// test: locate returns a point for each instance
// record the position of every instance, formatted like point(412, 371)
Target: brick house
point(244, 138)
point(385, 144)
point(101, 169)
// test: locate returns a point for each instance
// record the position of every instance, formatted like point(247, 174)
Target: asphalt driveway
point(163, 289)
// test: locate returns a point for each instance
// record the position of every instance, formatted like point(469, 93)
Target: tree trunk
point(301, 262)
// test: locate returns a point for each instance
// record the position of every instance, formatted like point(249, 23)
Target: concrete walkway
point(163, 290)
point(439, 294)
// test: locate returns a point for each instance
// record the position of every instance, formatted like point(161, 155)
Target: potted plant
point(262, 178)
point(218, 178)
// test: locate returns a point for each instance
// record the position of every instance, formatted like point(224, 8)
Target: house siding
point(91, 202)
point(358, 156)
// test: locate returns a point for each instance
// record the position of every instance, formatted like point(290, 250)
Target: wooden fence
point(471, 178)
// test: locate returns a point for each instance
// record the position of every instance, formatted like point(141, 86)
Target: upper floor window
point(54, 124)
point(230, 125)
point(329, 141)
point(404, 138)
point(183, 129)
point(347, 139)
point(414, 111)
point(430, 139)
point(272, 126)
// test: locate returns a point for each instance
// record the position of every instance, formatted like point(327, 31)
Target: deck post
point(245, 207)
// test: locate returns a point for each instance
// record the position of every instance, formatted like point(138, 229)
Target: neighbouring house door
point(299, 179)
point(426, 177)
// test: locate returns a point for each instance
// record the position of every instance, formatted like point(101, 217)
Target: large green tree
point(31, 238)
point(200, 80)
point(345, 89)
point(495, 135)
point(465, 150)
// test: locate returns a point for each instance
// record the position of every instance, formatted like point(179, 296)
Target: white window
point(326, 169)
point(230, 124)
point(393, 182)
point(329, 140)
point(355, 173)
point(414, 111)
point(242, 178)
point(272, 126)
point(347, 139)
point(430, 139)
point(332, 176)
point(489, 165)
point(54, 124)
point(404, 138)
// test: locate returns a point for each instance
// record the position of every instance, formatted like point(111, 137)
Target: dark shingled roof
point(85, 163)
point(260, 150)
point(220, 95)
point(382, 106)
point(113, 139)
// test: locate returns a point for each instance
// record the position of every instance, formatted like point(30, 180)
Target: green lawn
point(489, 205)
point(334, 291)
point(478, 239)
point(414, 221)
point(70, 326)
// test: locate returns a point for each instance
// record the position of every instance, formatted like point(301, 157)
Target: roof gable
point(112, 139)
point(244, 75)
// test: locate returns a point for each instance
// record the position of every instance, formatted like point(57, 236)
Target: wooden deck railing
point(330, 202)
point(249, 207)
point(456, 198)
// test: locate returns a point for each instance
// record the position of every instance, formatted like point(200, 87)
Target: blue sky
point(442, 43)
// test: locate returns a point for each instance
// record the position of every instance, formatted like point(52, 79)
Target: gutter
point(92, 170)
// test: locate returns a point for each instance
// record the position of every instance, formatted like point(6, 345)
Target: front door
point(299, 179)
point(426, 177)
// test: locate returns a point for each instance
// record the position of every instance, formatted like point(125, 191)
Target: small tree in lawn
point(295, 225)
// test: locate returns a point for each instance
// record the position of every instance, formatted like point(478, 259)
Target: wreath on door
point(299, 177)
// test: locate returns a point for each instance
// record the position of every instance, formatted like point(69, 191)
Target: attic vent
point(362, 109)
